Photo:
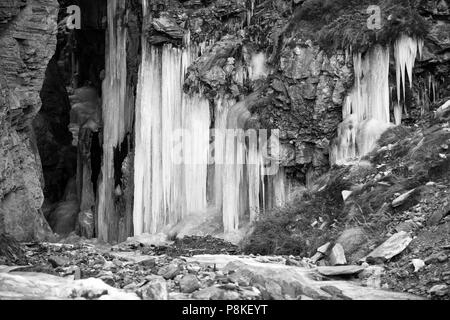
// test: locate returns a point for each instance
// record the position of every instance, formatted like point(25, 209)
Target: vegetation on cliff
point(343, 24)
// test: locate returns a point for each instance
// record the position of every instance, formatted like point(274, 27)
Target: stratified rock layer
point(27, 42)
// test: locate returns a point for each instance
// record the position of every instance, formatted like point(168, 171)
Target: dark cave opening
point(68, 126)
point(120, 153)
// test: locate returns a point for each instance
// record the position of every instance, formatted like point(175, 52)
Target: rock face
point(27, 42)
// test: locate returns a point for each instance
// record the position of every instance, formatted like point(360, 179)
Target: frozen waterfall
point(366, 110)
point(172, 141)
point(116, 119)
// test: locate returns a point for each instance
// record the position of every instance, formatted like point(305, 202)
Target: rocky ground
point(390, 210)
point(143, 269)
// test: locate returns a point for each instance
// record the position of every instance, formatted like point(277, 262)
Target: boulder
point(154, 289)
point(189, 284)
point(352, 240)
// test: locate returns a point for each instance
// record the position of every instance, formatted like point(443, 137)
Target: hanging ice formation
point(406, 49)
point(368, 102)
point(172, 140)
point(173, 173)
point(238, 164)
point(116, 119)
point(366, 110)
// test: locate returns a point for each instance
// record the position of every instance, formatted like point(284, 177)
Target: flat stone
point(337, 255)
point(340, 270)
point(390, 248)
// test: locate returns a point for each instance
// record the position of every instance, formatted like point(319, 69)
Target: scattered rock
point(57, 261)
point(169, 272)
point(390, 248)
point(436, 257)
point(439, 290)
point(211, 293)
point(324, 249)
point(418, 264)
point(407, 226)
point(402, 199)
point(189, 284)
point(346, 194)
point(337, 255)
point(150, 263)
point(437, 216)
point(154, 289)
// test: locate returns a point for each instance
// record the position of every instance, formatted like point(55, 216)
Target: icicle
point(196, 151)
point(368, 100)
point(406, 49)
point(223, 105)
point(233, 176)
point(255, 175)
point(114, 114)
